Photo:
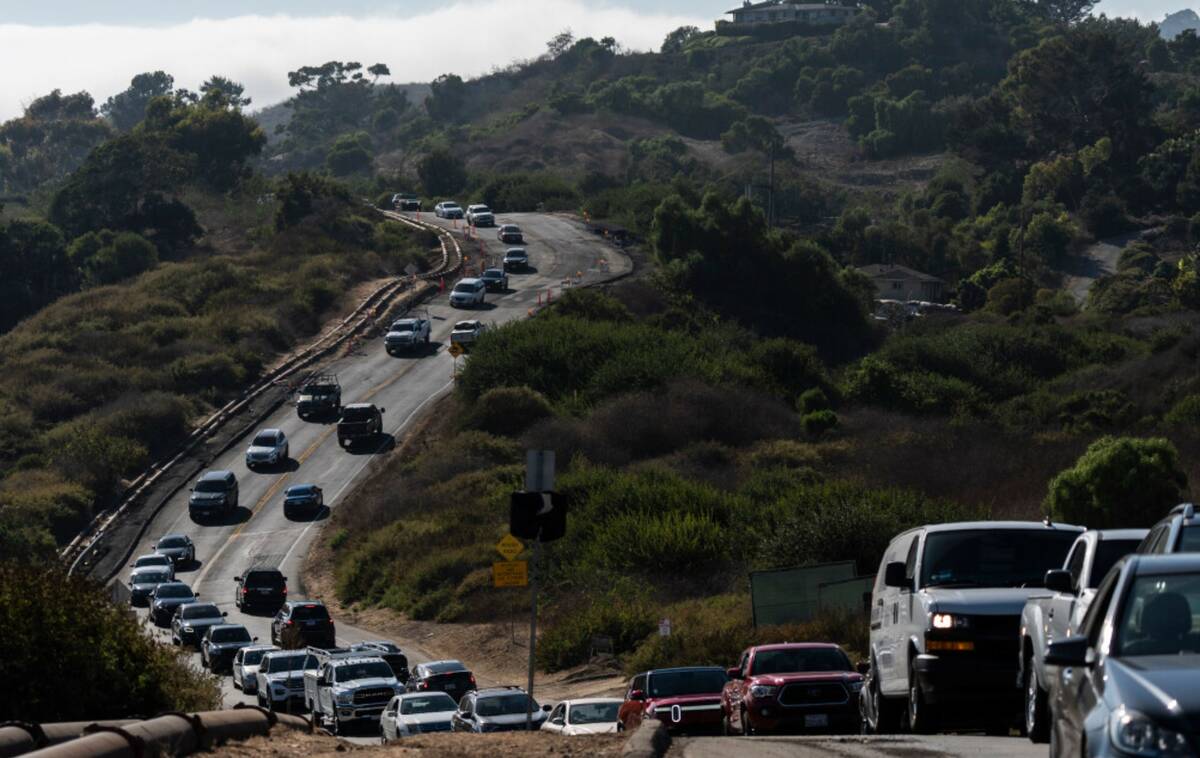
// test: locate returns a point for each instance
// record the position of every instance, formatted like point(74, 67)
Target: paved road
point(260, 535)
point(935, 746)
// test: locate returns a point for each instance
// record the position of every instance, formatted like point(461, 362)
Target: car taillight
point(331, 622)
point(291, 623)
point(285, 590)
point(245, 591)
point(472, 678)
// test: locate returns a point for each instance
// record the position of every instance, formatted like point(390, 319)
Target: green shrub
point(509, 411)
point(679, 543)
point(1186, 412)
point(1118, 482)
point(339, 539)
point(625, 616)
point(65, 629)
point(818, 423)
point(813, 400)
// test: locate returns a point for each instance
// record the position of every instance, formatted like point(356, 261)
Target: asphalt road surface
point(899, 746)
point(260, 535)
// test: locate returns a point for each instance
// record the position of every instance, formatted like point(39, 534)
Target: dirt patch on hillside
point(824, 147)
point(287, 742)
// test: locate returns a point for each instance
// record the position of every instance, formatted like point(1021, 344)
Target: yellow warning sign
point(510, 547)
point(510, 573)
point(456, 349)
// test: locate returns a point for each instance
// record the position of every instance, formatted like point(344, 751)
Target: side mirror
point(383, 410)
point(863, 667)
point(637, 695)
point(224, 613)
point(546, 708)
point(237, 579)
point(254, 639)
point(195, 594)
point(1069, 651)
point(1060, 580)
point(733, 673)
point(896, 575)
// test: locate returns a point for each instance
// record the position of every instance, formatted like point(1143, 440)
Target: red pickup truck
point(801, 687)
point(686, 699)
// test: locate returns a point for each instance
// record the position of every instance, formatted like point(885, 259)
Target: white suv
point(468, 293)
point(945, 622)
point(480, 215)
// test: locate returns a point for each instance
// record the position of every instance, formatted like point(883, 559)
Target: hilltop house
point(779, 11)
point(894, 282)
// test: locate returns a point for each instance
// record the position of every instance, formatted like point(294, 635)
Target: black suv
point(451, 677)
point(307, 618)
point(1178, 532)
point(497, 709)
point(360, 421)
point(260, 588)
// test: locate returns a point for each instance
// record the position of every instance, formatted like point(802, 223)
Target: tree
point(378, 70)
point(1066, 11)
point(105, 257)
point(350, 154)
point(442, 172)
point(447, 95)
point(675, 41)
point(127, 109)
point(1118, 482)
point(560, 43)
point(219, 92)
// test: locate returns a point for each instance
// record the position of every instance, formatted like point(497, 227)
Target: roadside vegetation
point(61, 629)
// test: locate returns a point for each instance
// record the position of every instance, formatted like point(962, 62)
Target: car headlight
point(949, 621)
point(188, 629)
point(345, 698)
point(763, 691)
point(1134, 733)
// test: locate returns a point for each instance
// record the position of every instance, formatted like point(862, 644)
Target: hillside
point(1176, 23)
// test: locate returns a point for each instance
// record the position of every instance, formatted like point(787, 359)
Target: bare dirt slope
point(1096, 260)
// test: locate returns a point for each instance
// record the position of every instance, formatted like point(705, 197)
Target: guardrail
point(167, 735)
point(362, 316)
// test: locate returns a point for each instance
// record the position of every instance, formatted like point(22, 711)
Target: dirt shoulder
point(287, 742)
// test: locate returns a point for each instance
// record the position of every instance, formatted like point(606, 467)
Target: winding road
point(260, 535)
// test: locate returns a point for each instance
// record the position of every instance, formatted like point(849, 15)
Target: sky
point(98, 45)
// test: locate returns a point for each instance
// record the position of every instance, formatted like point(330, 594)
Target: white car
point(448, 209)
point(416, 713)
point(469, 292)
point(480, 215)
point(245, 667)
point(596, 715)
point(269, 447)
point(466, 332)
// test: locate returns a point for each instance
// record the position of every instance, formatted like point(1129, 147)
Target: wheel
point(922, 718)
point(1037, 717)
point(887, 713)
point(726, 727)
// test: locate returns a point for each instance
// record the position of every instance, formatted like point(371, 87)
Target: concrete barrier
point(650, 740)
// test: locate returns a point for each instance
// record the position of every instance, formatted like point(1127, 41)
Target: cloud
point(467, 38)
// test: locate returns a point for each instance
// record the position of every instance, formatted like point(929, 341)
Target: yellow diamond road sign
point(510, 573)
point(456, 349)
point(510, 547)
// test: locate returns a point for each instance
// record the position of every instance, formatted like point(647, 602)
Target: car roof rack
point(321, 377)
point(336, 653)
point(1188, 510)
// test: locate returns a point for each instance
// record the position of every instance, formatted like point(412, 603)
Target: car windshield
point(238, 634)
point(173, 591)
point(320, 389)
point(298, 662)
point(368, 670)
point(516, 254)
point(147, 577)
point(993, 557)
point(503, 705)
point(403, 326)
point(464, 326)
point(264, 439)
point(309, 612)
point(210, 485)
point(1159, 617)
point(687, 682)
point(492, 273)
point(152, 560)
point(594, 713)
point(1108, 552)
point(301, 491)
point(356, 414)
point(201, 612)
point(253, 657)
point(438, 703)
point(799, 660)
point(172, 542)
point(464, 287)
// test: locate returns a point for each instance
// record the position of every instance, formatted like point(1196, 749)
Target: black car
point(166, 598)
point(192, 620)
point(260, 588)
point(308, 620)
point(220, 643)
point(177, 547)
point(1178, 532)
point(450, 676)
point(360, 421)
point(1129, 683)
point(307, 499)
point(497, 709)
point(516, 260)
point(495, 280)
point(389, 652)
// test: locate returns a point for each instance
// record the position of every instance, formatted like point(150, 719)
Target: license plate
point(264, 592)
point(310, 623)
point(813, 720)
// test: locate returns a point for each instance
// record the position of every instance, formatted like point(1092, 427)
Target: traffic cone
point(549, 296)
point(442, 284)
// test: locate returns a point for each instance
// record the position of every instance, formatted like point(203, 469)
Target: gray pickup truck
point(320, 395)
point(348, 686)
point(1056, 612)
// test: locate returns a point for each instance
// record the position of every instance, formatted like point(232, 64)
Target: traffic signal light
point(538, 515)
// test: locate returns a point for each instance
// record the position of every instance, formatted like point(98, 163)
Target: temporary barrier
point(789, 596)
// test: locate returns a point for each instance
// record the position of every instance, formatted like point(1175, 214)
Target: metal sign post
point(533, 573)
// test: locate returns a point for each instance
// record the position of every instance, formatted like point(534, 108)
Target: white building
point(777, 11)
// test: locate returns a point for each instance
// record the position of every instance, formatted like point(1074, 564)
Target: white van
point(945, 622)
point(468, 293)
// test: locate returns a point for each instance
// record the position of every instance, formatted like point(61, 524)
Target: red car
point(800, 687)
point(684, 699)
